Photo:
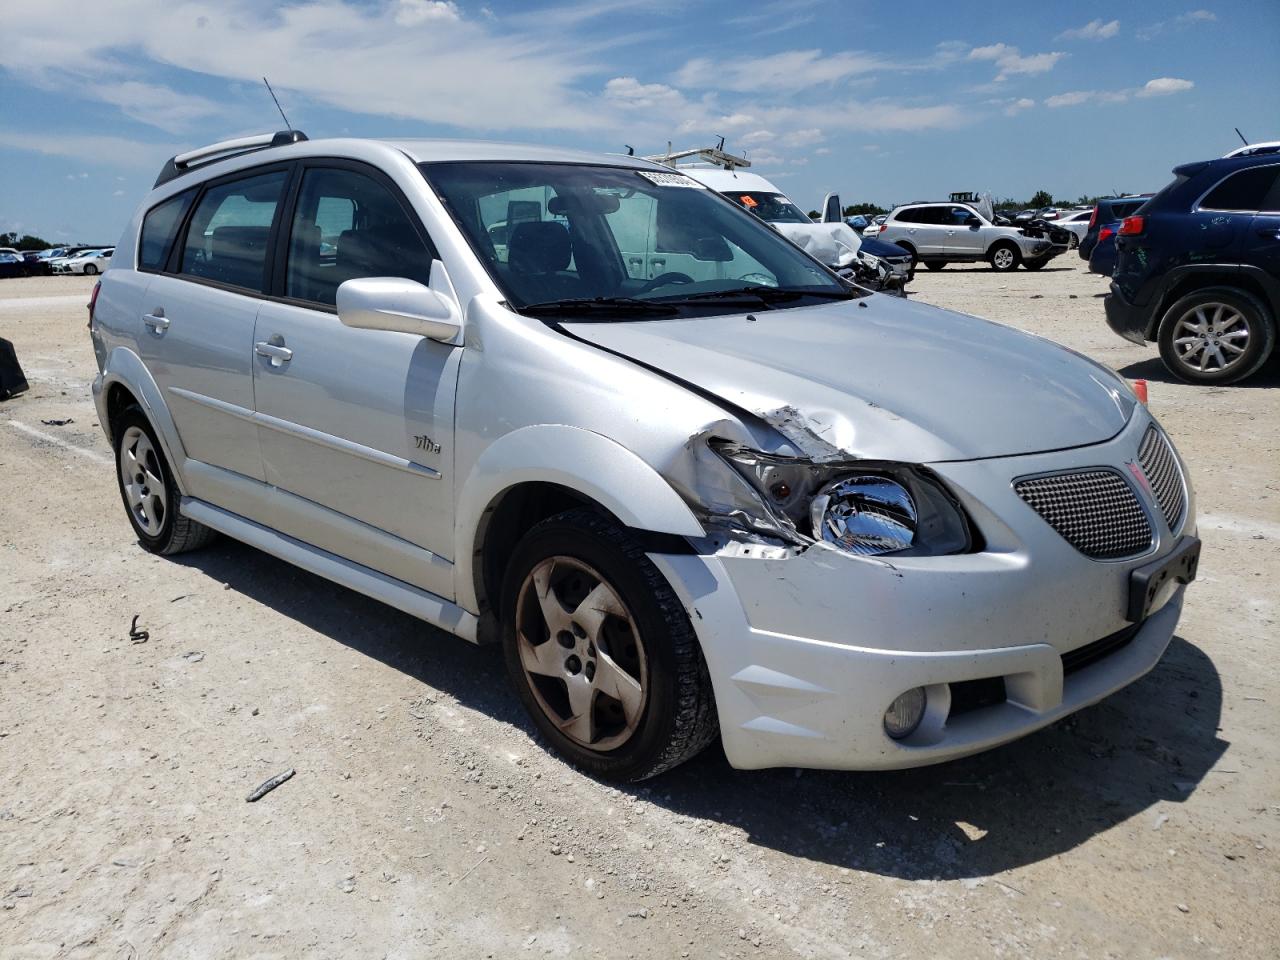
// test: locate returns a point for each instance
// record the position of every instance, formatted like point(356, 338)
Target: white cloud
point(823, 151)
point(117, 193)
point(1182, 21)
point(1012, 62)
point(1013, 108)
point(1075, 98)
point(339, 53)
point(790, 70)
point(1093, 30)
point(630, 93)
point(108, 150)
point(1163, 86)
point(410, 13)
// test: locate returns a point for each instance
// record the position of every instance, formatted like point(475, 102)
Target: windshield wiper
point(612, 305)
point(766, 294)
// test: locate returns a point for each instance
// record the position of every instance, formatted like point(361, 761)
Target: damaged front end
point(866, 508)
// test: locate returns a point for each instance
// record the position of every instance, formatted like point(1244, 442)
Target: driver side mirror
point(832, 212)
point(401, 305)
point(713, 249)
point(972, 222)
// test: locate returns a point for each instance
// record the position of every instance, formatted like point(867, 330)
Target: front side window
point(230, 230)
point(347, 225)
point(550, 233)
point(159, 228)
point(1245, 190)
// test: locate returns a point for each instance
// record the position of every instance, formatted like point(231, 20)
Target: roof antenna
point(720, 145)
point(1241, 136)
point(287, 125)
point(631, 151)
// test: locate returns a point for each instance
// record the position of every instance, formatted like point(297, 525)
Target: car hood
point(834, 244)
point(884, 378)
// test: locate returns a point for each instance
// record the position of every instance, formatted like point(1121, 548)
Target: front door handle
point(276, 352)
point(156, 320)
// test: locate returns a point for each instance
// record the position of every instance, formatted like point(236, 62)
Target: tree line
point(25, 242)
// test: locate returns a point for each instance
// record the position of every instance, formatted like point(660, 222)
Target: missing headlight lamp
point(868, 508)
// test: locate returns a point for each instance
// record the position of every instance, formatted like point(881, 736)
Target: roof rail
point(182, 163)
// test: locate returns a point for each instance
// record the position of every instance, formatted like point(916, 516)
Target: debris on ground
point(270, 785)
point(136, 635)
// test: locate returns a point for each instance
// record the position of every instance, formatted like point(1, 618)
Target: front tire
point(1004, 257)
point(1073, 242)
point(1034, 264)
point(1216, 335)
point(148, 490)
point(935, 264)
point(90, 270)
point(601, 651)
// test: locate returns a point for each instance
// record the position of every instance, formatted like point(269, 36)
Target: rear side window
point(230, 229)
point(348, 225)
point(917, 215)
point(1244, 190)
point(159, 227)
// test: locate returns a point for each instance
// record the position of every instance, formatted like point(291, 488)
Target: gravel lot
point(424, 819)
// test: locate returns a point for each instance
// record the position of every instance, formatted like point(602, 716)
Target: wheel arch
point(125, 380)
point(1193, 277)
point(525, 477)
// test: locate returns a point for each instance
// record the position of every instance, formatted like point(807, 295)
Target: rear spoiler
point(182, 163)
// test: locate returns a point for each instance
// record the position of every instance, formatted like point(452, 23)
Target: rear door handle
point(157, 320)
point(278, 354)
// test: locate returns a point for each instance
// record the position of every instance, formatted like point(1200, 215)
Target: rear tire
point(1227, 331)
point(1034, 264)
point(1073, 242)
point(1004, 257)
point(90, 270)
point(915, 257)
point(601, 651)
point(935, 264)
point(148, 491)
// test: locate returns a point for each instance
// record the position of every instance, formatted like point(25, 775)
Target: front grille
point(1091, 653)
point(1095, 511)
point(1161, 468)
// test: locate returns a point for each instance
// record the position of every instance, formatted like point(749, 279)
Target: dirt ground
point(425, 820)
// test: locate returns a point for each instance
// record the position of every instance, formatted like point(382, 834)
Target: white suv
point(691, 480)
point(941, 233)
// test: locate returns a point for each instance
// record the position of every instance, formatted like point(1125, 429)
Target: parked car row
point(41, 263)
point(936, 234)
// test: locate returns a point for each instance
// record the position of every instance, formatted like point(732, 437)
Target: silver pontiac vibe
point(691, 481)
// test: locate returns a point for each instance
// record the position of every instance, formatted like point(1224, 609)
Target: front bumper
point(1126, 319)
point(807, 651)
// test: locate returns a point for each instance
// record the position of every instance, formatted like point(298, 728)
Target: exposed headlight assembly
point(868, 508)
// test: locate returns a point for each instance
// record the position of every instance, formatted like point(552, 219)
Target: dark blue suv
point(1198, 269)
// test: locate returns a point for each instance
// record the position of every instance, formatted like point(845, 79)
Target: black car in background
point(1103, 225)
point(1198, 269)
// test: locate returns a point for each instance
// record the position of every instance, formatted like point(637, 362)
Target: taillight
point(1104, 233)
point(1093, 218)
point(1131, 226)
point(93, 301)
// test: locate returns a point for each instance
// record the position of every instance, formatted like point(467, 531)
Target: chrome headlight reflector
point(866, 515)
point(864, 507)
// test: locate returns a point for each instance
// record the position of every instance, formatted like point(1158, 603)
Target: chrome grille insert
point(1096, 511)
point(1161, 468)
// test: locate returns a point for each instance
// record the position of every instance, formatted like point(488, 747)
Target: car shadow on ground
point(922, 270)
point(1153, 368)
point(1020, 804)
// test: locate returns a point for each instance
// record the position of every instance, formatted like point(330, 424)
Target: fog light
point(905, 714)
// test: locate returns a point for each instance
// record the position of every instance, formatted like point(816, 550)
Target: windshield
point(624, 240)
point(769, 207)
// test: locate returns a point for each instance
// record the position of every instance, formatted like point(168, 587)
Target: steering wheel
point(662, 279)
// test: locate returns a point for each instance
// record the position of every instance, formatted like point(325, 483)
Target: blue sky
point(881, 101)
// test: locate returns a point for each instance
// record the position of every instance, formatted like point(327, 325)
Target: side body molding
point(580, 460)
point(126, 368)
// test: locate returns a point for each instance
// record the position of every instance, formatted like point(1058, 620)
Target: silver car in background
point(694, 484)
point(941, 233)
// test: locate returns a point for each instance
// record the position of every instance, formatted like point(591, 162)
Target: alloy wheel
point(1211, 337)
point(143, 481)
point(582, 654)
point(1002, 259)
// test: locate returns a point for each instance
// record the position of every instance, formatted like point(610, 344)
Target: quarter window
point(347, 225)
point(230, 230)
point(1244, 190)
point(159, 227)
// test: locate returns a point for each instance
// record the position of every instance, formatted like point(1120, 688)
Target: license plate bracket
point(1148, 582)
